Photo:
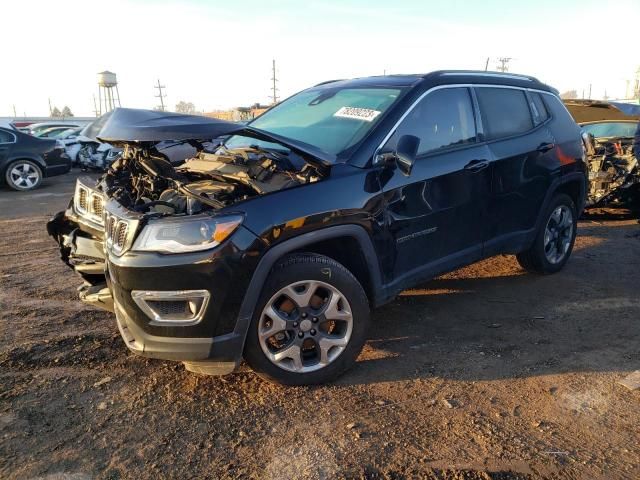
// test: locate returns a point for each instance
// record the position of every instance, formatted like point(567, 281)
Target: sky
point(217, 54)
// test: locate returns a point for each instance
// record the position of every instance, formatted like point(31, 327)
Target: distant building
point(239, 114)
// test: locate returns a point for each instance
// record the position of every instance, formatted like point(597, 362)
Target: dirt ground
point(485, 373)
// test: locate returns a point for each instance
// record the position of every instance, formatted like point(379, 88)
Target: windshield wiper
point(322, 97)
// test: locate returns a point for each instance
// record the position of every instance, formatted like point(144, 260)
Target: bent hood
point(124, 125)
point(130, 125)
point(584, 111)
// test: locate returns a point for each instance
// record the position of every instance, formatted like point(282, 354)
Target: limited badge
point(357, 113)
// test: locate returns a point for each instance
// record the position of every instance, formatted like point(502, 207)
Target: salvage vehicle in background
point(25, 160)
point(274, 247)
point(611, 130)
point(69, 138)
point(52, 132)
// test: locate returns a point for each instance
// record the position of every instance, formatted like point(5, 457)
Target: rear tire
point(23, 175)
point(310, 323)
point(554, 240)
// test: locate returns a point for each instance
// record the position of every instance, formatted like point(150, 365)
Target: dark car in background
point(275, 247)
point(26, 160)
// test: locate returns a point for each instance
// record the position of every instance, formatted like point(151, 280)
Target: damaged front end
point(145, 204)
point(611, 141)
point(79, 232)
point(614, 172)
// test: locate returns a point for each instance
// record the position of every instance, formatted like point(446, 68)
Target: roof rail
point(513, 76)
point(329, 81)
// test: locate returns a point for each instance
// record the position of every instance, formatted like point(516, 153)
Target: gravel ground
point(485, 373)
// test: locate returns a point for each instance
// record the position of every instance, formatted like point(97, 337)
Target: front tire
point(23, 175)
point(555, 239)
point(310, 323)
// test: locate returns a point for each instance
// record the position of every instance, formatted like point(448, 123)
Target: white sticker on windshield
point(357, 113)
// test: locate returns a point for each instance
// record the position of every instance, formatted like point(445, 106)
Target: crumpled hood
point(124, 125)
point(584, 111)
point(130, 125)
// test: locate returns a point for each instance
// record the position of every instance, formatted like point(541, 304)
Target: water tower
point(108, 94)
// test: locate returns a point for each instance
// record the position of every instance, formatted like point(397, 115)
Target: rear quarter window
point(6, 137)
point(538, 108)
point(505, 112)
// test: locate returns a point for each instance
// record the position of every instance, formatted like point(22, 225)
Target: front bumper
point(211, 345)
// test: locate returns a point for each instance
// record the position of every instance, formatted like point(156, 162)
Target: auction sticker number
point(357, 113)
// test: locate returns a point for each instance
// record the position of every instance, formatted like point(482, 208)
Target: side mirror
point(403, 157)
point(406, 153)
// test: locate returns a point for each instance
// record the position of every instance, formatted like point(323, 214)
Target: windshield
point(330, 119)
point(611, 129)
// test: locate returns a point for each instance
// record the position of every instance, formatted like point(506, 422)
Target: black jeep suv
point(274, 246)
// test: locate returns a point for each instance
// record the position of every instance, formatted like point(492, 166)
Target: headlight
point(181, 235)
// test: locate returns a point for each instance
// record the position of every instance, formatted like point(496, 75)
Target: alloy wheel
point(24, 175)
point(305, 326)
point(558, 234)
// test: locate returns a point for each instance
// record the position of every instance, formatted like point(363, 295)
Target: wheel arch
point(573, 184)
point(38, 161)
point(317, 241)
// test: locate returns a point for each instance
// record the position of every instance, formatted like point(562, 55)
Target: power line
point(274, 89)
point(504, 64)
point(161, 95)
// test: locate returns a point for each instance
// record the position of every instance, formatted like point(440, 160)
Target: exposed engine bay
point(614, 173)
point(147, 183)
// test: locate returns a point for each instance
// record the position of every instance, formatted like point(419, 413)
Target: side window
point(6, 137)
point(505, 112)
point(538, 108)
point(443, 118)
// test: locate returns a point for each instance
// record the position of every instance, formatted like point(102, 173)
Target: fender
point(234, 342)
point(557, 183)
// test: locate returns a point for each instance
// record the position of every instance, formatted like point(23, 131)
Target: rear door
point(435, 214)
point(522, 167)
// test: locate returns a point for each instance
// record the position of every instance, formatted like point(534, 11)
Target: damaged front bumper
point(80, 236)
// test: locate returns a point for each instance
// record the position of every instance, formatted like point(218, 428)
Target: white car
point(69, 139)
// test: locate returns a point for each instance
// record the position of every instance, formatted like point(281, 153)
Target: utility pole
point(15, 115)
point(486, 65)
point(589, 91)
point(274, 89)
point(161, 95)
point(50, 109)
point(504, 64)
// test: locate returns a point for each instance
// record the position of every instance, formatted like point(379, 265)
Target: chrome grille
point(116, 233)
point(97, 205)
point(82, 200)
point(121, 236)
point(89, 203)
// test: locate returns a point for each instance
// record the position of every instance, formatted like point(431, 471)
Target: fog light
point(178, 308)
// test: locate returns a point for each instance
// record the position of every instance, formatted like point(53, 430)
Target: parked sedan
point(25, 160)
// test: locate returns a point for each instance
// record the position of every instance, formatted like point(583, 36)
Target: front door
point(434, 215)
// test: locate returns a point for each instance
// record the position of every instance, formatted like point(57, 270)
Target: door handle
point(545, 147)
point(476, 165)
